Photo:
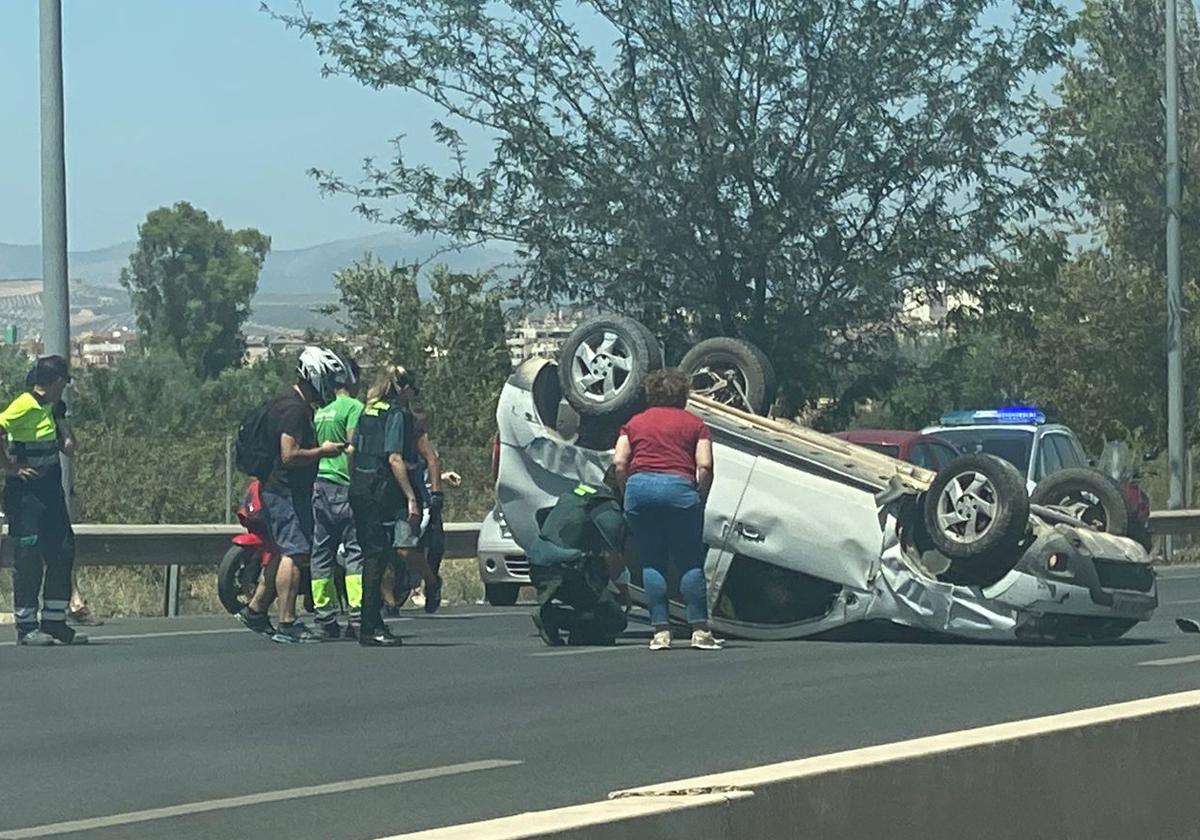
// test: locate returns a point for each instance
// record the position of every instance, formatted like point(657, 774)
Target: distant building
point(541, 336)
point(259, 347)
point(103, 349)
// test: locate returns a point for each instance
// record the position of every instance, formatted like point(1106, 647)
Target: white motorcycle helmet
point(323, 370)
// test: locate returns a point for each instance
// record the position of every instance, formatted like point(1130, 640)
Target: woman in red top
point(664, 460)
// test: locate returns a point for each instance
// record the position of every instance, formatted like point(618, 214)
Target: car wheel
point(657, 360)
point(603, 365)
point(237, 578)
point(976, 508)
point(1091, 497)
point(732, 372)
point(501, 594)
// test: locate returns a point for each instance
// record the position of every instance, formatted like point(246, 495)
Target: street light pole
point(1175, 436)
point(56, 329)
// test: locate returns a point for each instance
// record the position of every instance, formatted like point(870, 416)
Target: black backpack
point(254, 452)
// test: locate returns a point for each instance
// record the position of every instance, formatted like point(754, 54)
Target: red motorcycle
point(251, 553)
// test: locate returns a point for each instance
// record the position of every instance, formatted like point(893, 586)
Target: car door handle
point(749, 532)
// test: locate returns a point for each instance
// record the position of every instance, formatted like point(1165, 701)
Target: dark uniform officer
point(385, 505)
point(38, 522)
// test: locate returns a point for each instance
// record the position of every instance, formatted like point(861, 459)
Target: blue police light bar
point(1013, 415)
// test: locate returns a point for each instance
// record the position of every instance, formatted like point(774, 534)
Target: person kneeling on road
point(387, 510)
point(573, 563)
point(291, 440)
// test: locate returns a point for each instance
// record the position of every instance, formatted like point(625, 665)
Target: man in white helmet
point(287, 490)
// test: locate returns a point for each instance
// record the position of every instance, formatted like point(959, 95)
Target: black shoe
point(549, 636)
point(433, 596)
point(380, 638)
point(62, 634)
point(391, 611)
point(330, 631)
point(255, 621)
point(35, 638)
point(295, 633)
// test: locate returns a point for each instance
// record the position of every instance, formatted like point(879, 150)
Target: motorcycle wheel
point(237, 577)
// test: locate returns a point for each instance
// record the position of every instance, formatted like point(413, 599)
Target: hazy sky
point(210, 101)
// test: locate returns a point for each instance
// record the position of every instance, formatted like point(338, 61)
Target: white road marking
point(1176, 660)
point(577, 651)
point(1180, 603)
point(50, 829)
point(1162, 575)
point(164, 634)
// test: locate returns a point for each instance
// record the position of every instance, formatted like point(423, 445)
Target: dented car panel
point(805, 535)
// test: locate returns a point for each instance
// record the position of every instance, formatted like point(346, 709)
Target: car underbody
point(807, 534)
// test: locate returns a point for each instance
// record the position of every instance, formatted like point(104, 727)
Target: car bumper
point(1076, 583)
point(501, 566)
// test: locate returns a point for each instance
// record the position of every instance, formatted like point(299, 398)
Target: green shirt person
point(333, 521)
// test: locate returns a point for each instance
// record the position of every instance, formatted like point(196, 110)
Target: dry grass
point(117, 591)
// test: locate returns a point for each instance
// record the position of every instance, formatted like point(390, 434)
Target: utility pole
point(56, 330)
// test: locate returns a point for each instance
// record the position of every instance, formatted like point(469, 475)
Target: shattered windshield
point(1013, 445)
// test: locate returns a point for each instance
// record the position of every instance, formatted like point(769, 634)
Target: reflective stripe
point(60, 606)
point(354, 590)
point(322, 592)
point(31, 539)
point(24, 612)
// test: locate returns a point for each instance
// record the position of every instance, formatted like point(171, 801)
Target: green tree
point(381, 307)
point(191, 281)
point(785, 171)
point(1107, 134)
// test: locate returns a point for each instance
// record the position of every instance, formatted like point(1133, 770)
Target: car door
point(804, 521)
point(1047, 461)
point(942, 454)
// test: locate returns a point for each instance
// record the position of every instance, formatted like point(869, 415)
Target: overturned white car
point(807, 533)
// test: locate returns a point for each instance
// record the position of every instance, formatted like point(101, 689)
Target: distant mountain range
point(291, 284)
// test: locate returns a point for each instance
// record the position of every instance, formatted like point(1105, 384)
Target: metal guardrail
point(1172, 522)
point(174, 546)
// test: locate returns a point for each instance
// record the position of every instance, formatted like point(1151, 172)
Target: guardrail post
point(171, 591)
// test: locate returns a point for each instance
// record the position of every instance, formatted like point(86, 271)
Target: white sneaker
point(661, 640)
point(704, 640)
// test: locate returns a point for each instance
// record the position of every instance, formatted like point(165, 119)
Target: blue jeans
point(667, 519)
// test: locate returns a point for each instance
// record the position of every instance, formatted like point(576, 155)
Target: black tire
point(615, 349)
point(1089, 496)
point(502, 594)
point(991, 493)
point(731, 371)
point(657, 360)
point(237, 577)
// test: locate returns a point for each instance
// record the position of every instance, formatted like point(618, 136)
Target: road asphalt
point(195, 728)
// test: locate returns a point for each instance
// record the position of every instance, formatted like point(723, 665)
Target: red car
point(924, 450)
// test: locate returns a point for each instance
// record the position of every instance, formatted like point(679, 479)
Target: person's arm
point(7, 467)
point(433, 463)
point(704, 466)
point(66, 434)
point(622, 457)
point(452, 478)
point(400, 473)
point(393, 434)
point(350, 449)
point(291, 454)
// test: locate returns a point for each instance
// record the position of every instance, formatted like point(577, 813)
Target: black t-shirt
point(290, 414)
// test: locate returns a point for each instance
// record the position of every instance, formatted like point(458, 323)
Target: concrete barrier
point(1120, 772)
